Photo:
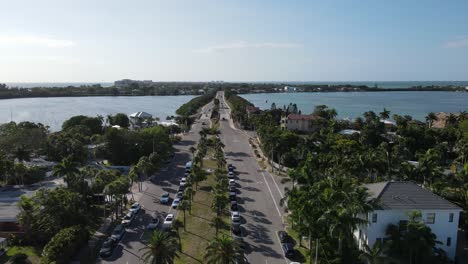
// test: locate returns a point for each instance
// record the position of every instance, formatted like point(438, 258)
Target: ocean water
point(354, 104)
point(53, 111)
point(385, 84)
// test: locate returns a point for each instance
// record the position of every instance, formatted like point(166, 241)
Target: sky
point(238, 40)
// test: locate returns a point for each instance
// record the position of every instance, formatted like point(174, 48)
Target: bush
point(64, 244)
point(192, 106)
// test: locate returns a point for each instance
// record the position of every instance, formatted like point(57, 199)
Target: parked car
point(168, 221)
point(180, 194)
point(236, 230)
point(235, 217)
point(135, 208)
point(232, 182)
point(283, 236)
point(107, 248)
point(232, 196)
point(118, 232)
point(183, 182)
point(128, 218)
point(288, 250)
point(232, 189)
point(231, 175)
point(188, 166)
point(234, 207)
point(154, 222)
point(164, 198)
point(175, 203)
point(230, 167)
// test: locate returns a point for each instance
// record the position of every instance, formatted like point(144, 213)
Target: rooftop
point(406, 195)
point(140, 115)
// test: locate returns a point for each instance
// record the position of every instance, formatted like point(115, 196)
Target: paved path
point(167, 180)
point(259, 194)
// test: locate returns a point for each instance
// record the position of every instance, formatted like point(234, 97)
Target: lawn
point(198, 230)
point(32, 254)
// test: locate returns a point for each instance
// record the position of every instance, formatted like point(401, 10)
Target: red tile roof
point(252, 109)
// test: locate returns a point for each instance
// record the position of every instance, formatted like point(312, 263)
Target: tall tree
point(161, 249)
point(222, 250)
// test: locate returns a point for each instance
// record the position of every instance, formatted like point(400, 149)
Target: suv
point(288, 250)
point(168, 221)
point(107, 248)
point(128, 218)
point(154, 222)
point(135, 208)
point(118, 232)
point(164, 198)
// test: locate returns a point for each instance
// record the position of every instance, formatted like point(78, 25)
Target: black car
point(232, 196)
point(234, 207)
point(107, 248)
point(283, 236)
point(230, 167)
point(288, 249)
point(236, 230)
point(232, 189)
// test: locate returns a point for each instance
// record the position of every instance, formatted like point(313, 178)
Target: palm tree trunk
point(310, 246)
point(184, 222)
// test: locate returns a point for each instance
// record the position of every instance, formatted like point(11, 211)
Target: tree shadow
point(251, 189)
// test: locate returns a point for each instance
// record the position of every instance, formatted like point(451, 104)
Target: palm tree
point(219, 202)
point(222, 250)
point(184, 206)
point(385, 114)
point(192, 150)
point(145, 167)
point(218, 223)
point(133, 176)
point(430, 118)
point(21, 153)
point(161, 248)
point(374, 255)
point(67, 169)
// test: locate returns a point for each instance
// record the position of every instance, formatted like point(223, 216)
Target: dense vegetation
point(328, 168)
point(193, 88)
point(192, 106)
point(238, 108)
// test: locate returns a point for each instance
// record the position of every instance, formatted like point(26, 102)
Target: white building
point(290, 89)
point(397, 200)
point(304, 123)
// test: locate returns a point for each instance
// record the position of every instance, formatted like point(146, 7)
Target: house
point(139, 119)
point(252, 110)
point(397, 200)
point(304, 123)
point(442, 119)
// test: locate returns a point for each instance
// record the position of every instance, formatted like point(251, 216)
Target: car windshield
point(117, 231)
point(107, 244)
point(169, 218)
point(165, 195)
point(126, 217)
point(134, 206)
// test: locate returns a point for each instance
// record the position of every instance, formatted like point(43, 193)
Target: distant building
point(349, 132)
point(140, 119)
point(397, 200)
point(252, 110)
point(128, 82)
point(290, 89)
point(388, 123)
point(303, 123)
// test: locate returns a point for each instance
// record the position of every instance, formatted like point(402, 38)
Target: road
point(258, 194)
point(167, 180)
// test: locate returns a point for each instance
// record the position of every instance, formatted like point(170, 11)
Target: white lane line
point(281, 246)
point(272, 197)
point(276, 184)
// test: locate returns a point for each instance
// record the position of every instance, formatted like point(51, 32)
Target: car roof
point(166, 193)
point(169, 215)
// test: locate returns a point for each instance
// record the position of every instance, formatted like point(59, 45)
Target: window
point(451, 217)
point(449, 241)
point(430, 218)
point(374, 218)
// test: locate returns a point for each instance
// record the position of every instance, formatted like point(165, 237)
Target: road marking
point(281, 246)
point(272, 197)
point(277, 187)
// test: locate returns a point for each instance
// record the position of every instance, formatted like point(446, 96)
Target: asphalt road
point(167, 180)
point(259, 194)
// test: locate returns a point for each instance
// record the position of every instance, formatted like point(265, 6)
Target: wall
point(442, 228)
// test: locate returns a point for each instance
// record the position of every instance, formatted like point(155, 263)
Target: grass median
point(199, 232)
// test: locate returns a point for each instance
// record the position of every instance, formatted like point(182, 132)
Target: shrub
point(63, 245)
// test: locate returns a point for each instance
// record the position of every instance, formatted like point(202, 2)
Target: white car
point(235, 217)
point(232, 182)
point(135, 208)
point(231, 175)
point(154, 222)
point(175, 203)
point(168, 221)
point(183, 181)
point(128, 218)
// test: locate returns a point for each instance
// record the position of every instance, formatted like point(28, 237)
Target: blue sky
point(242, 40)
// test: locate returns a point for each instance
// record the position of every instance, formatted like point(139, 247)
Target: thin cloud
point(247, 45)
point(36, 41)
point(460, 42)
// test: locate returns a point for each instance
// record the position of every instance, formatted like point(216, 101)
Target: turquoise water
point(53, 111)
point(352, 105)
